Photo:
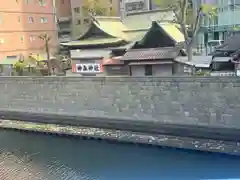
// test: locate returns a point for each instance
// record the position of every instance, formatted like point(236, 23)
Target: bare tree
point(98, 8)
point(46, 38)
point(182, 10)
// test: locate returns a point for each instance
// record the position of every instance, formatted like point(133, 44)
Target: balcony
point(64, 19)
point(65, 29)
point(63, 39)
point(220, 28)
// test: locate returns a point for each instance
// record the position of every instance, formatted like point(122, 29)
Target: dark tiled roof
point(197, 61)
point(219, 53)
point(231, 44)
point(236, 53)
point(150, 62)
point(151, 54)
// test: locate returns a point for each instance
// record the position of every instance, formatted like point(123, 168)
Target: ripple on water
point(36, 157)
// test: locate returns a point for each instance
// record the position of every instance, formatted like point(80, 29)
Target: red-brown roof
point(113, 61)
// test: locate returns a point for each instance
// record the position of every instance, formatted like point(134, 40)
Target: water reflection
point(54, 158)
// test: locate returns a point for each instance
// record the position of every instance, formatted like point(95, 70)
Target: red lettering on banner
point(74, 68)
point(101, 68)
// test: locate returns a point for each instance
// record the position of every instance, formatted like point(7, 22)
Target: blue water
point(59, 158)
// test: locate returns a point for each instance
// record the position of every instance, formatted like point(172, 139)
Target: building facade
point(73, 19)
point(120, 48)
point(21, 23)
point(228, 17)
point(80, 16)
point(64, 19)
point(220, 27)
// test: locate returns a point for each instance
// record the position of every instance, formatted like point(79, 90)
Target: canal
point(39, 157)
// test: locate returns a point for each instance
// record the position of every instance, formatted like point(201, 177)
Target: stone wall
point(195, 101)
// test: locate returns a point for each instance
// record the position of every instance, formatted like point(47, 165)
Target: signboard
point(88, 68)
point(238, 72)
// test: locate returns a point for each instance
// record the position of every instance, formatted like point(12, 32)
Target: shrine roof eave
point(94, 42)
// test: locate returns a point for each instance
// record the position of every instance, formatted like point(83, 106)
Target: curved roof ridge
point(117, 26)
point(136, 30)
point(172, 30)
point(149, 11)
point(104, 22)
point(107, 18)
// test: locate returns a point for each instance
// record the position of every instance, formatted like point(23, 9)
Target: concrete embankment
point(221, 140)
point(149, 127)
point(202, 108)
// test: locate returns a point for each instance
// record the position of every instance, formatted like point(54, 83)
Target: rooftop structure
point(122, 32)
point(129, 6)
point(80, 17)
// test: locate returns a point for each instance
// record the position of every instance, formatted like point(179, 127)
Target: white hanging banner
point(238, 72)
point(88, 68)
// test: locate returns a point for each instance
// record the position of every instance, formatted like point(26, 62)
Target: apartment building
point(220, 27)
point(73, 19)
point(228, 18)
point(21, 23)
point(64, 19)
point(80, 16)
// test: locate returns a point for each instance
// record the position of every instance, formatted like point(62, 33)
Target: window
point(77, 10)
point(32, 38)
point(78, 22)
point(30, 19)
point(42, 2)
point(231, 5)
point(134, 6)
point(2, 41)
point(19, 19)
point(148, 70)
point(22, 38)
point(100, 11)
point(43, 20)
point(86, 21)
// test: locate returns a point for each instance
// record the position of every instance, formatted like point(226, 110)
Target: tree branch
point(180, 4)
point(176, 15)
point(180, 12)
point(197, 24)
point(184, 11)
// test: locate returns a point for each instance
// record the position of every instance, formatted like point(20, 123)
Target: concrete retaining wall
point(213, 102)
